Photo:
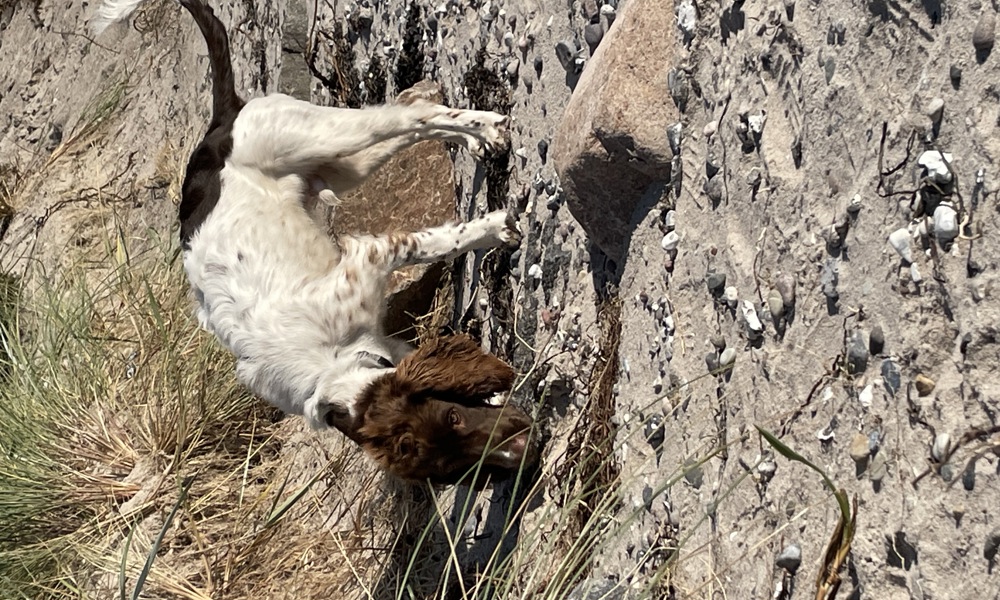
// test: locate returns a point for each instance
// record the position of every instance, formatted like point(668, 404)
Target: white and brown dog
point(303, 313)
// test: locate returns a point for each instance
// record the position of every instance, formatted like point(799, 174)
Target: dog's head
point(430, 420)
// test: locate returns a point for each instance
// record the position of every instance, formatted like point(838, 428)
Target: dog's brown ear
point(455, 366)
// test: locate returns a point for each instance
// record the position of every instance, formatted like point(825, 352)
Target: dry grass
point(113, 398)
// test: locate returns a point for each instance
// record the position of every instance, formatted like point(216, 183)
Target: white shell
point(750, 316)
point(942, 444)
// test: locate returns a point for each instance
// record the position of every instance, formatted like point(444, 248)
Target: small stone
point(890, 377)
point(866, 396)
point(786, 287)
point(543, 150)
point(512, 68)
point(715, 189)
point(915, 273)
point(984, 34)
point(941, 447)
point(716, 282)
point(593, 33)
point(876, 341)
point(955, 73)
point(828, 280)
point(670, 241)
point(900, 242)
point(767, 469)
point(790, 558)
point(936, 166)
point(878, 468)
point(680, 89)
point(674, 137)
point(687, 18)
point(731, 295)
point(859, 448)
point(749, 313)
point(710, 128)
point(608, 12)
point(857, 354)
point(712, 362)
point(566, 53)
point(992, 545)
point(854, 206)
point(693, 474)
point(535, 271)
point(935, 109)
point(728, 357)
point(924, 384)
point(538, 66)
point(719, 341)
point(945, 223)
point(775, 305)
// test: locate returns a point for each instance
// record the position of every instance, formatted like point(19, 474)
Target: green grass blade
point(141, 580)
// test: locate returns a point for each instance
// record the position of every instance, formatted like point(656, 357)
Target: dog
point(302, 312)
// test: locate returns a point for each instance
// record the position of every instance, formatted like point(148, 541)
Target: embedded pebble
point(715, 189)
point(537, 63)
point(878, 468)
point(866, 396)
point(942, 444)
point(674, 137)
point(716, 282)
point(857, 354)
point(687, 18)
point(984, 35)
point(876, 341)
point(670, 241)
point(900, 242)
point(731, 296)
point(828, 280)
point(712, 362)
point(535, 271)
point(786, 287)
point(859, 448)
point(915, 273)
point(593, 33)
point(728, 357)
point(854, 206)
point(712, 164)
point(992, 545)
point(955, 73)
point(790, 558)
point(890, 376)
point(566, 53)
point(543, 150)
point(679, 88)
point(719, 342)
point(775, 305)
point(767, 469)
point(694, 474)
point(936, 165)
point(512, 68)
point(750, 317)
point(608, 12)
point(945, 223)
point(924, 384)
point(710, 128)
point(935, 109)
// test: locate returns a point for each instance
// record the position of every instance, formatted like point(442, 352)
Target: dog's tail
point(224, 97)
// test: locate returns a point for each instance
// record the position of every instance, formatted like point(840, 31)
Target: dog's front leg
point(437, 243)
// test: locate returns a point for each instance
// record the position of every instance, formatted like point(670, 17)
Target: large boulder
point(611, 145)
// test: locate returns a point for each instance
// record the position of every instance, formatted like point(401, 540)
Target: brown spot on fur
point(429, 419)
point(351, 276)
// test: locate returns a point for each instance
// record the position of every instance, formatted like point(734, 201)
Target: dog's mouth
point(512, 453)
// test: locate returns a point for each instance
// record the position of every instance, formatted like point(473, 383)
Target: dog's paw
point(510, 235)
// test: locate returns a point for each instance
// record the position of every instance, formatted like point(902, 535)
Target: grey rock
point(876, 341)
point(878, 468)
point(859, 449)
point(712, 362)
point(828, 280)
point(890, 376)
point(715, 189)
point(857, 354)
point(598, 589)
point(716, 282)
point(984, 35)
point(727, 358)
point(674, 137)
point(992, 545)
point(790, 558)
point(719, 341)
point(955, 73)
point(566, 53)
point(593, 33)
point(712, 164)
point(680, 89)
point(537, 63)
point(786, 287)
point(941, 447)
point(694, 474)
point(543, 150)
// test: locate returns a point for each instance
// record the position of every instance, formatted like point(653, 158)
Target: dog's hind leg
point(280, 135)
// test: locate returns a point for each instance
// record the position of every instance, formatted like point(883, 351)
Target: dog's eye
point(454, 418)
